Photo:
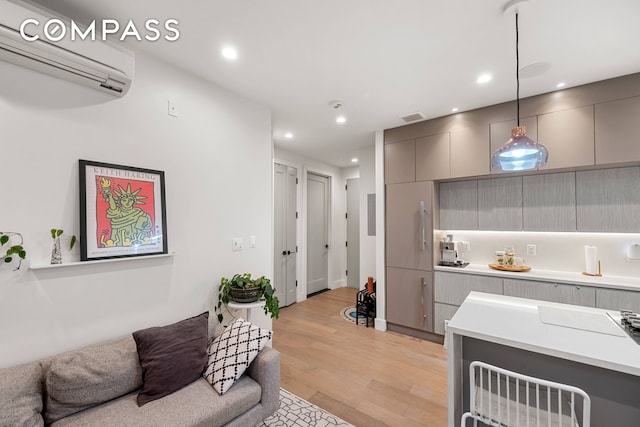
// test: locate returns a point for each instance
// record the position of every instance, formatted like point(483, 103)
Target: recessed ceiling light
point(484, 78)
point(341, 119)
point(288, 135)
point(354, 160)
point(561, 84)
point(454, 110)
point(229, 53)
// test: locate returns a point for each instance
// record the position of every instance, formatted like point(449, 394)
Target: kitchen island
point(580, 346)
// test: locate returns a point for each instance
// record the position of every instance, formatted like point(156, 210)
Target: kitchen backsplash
point(554, 251)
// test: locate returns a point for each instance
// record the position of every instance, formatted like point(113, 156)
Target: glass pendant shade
point(519, 153)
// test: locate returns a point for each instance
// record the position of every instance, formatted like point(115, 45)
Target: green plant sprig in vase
point(239, 286)
point(13, 250)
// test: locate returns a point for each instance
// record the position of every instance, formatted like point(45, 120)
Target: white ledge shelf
point(98, 261)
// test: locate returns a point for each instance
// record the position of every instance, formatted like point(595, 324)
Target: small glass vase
point(56, 252)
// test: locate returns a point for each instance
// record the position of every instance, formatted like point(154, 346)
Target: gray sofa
point(98, 385)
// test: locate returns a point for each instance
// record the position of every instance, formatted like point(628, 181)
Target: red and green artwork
point(125, 214)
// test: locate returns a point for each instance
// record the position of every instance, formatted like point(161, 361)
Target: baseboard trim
point(381, 324)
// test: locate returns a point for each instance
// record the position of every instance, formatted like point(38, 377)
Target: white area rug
point(297, 412)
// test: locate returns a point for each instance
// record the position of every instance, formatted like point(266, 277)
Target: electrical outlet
point(236, 244)
point(173, 110)
point(252, 241)
point(531, 250)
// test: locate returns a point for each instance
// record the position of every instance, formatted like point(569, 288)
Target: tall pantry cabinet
point(409, 243)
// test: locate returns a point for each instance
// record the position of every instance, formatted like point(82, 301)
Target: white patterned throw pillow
point(231, 353)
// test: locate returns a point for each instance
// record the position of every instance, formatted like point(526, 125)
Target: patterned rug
point(349, 313)
point(297, 412)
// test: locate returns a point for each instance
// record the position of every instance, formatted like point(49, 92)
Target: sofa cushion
point(21, 395)
point(89, 376)
point(232, 352)
point(197, 404)
point(171, 356)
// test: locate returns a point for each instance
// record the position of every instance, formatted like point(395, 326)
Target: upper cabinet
point(432, 157)
point(617, 130)
point(459, 205)
point(409, 225)
point(608, 200)
point(501, 133)
point(549, 202)
point(569, 137)
point(400, 162)
point(469, 151)
point(500, 203)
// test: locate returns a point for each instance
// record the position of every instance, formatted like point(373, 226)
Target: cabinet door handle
point(422, 225)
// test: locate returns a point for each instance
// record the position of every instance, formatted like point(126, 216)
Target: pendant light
point(520, 152)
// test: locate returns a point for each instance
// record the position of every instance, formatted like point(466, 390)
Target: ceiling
point(383, 59)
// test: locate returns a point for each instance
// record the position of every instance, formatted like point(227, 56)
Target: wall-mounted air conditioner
point(95, 63)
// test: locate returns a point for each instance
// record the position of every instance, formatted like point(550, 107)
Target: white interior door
point(317, 233)
point(285, 249)
point(353, 233)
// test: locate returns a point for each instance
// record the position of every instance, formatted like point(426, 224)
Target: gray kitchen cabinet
point(500, 204)
point(432, 157)
point(399, 162)
point(568, 136)
point(617, 126)
point(608, 200)
point(453, 288)
point(458, 205)
point(409, 229)
point(501, 133)
point(614, 299)
point(441, 313)
point(409, 295)
point(549, 202)
point(553, 292)
point(469, 151)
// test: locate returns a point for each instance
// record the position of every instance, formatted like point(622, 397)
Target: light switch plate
point(236, 244)
point(531, 250)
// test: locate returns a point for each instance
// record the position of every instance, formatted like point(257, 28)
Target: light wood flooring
point(366, 377)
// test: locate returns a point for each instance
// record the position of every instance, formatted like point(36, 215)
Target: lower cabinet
point(553, 292)
point(410, 298)
point(453, 288)
point(450, 290)
point(442, 313)
point(613, 299)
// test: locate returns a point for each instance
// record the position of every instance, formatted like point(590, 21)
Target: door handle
point(288, 252)
point(284, 252)
point(422, 225)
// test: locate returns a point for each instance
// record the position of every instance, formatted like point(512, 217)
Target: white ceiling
point(383, 59)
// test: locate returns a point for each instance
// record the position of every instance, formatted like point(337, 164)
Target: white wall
point(337, 254)
point(367, 186)
point(554, 251)
point(217, 157)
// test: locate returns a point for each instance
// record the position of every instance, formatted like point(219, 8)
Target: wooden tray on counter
point(507, 268)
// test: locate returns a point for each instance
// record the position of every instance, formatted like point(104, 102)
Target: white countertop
point(577, 278)
point(515, 322)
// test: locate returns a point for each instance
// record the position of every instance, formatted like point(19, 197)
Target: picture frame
point(122, 211)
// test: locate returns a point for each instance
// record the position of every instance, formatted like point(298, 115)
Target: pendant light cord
point(517, 74)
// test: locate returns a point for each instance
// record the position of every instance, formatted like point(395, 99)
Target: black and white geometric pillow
point(231, 353)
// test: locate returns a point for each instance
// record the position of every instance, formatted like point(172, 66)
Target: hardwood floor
point(367, 377)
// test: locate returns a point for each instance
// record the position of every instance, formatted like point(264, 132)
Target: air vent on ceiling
point(413, 117)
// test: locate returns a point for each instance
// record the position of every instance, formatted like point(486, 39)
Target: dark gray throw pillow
point(171, 356)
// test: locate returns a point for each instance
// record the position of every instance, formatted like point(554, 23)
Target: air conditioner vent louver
point(413, 117)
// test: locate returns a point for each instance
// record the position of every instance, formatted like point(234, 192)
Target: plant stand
point(255, 314)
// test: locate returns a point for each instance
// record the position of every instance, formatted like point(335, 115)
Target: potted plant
point(243, 289)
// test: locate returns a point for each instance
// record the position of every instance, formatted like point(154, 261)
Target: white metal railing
point(502, 398)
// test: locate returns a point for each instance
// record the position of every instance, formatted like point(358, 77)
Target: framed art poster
point(122, 211)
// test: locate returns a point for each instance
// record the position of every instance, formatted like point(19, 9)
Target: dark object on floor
point(366, 305)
